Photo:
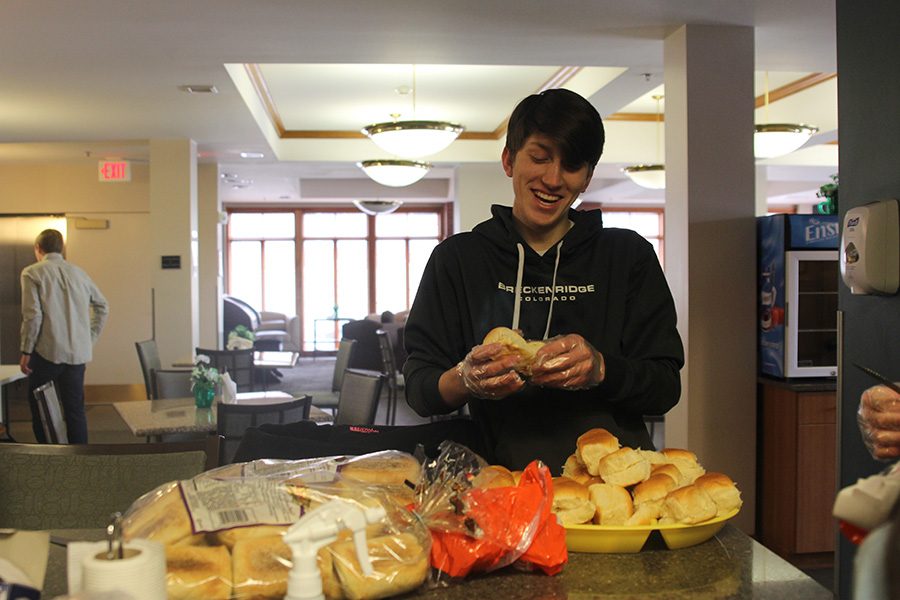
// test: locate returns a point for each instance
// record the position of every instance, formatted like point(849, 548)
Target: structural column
point(173, 227)
point(710, 246)
point(210, 259)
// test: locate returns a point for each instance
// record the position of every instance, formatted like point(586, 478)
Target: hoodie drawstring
point(518, 294)
point(553, 289)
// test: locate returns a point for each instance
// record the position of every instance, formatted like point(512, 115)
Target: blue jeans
point(69, 380)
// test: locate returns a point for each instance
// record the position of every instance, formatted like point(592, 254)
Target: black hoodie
point(610, 289)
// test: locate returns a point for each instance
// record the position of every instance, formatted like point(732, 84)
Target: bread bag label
point(214, 505)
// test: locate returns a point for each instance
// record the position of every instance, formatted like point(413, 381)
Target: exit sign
point(114, 170)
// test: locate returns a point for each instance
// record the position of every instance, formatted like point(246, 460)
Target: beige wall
point(120, 259)
point(477, 187)
point(116, 258)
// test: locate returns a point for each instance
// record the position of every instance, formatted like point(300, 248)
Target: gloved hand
point(489, 374)
point(879, 422)
point(568, 362)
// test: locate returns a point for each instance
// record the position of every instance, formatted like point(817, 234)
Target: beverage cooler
point(798, 295)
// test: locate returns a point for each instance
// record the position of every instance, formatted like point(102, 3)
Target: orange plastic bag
point(503, 526)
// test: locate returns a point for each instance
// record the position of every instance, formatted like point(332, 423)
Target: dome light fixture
point(650, 176)
point(377, 207)
point(777, 139)
point(771, 140)
point(413, 139)
point(394, 173)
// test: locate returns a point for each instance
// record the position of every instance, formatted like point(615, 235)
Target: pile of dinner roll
point(606, 484)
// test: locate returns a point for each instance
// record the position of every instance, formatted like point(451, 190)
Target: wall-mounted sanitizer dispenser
point(870, 248)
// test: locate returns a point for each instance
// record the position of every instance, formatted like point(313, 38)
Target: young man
point(598, 295)
point(63, 313)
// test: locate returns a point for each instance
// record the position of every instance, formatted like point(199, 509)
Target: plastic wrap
point(223, 529)
point(477, 529)
point(879, 422)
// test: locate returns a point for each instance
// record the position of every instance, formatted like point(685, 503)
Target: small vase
point(204, 395)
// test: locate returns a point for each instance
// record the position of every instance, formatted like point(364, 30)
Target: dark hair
point(567, 119)
point(49, 240)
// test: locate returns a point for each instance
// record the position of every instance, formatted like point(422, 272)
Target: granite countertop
point(730, 565)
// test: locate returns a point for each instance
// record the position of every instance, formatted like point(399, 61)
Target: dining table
point(157, 418)
point(729, 565)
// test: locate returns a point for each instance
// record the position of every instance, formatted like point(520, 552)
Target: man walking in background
point(63, 313)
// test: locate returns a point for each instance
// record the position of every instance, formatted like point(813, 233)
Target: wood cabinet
point(796, 469)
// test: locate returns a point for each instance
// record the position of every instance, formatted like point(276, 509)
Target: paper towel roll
point(142, 573)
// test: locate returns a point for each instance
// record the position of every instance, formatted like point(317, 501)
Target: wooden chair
point(393, 379)
point(51, 414)
point(232, 420)
point(237, 363)
point(78, 486)
point(360, 392)
point(171, 383)
point(148, 355)
point(328, 399)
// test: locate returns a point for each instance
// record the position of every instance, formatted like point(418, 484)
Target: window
point(261, 251)
point(350, 264)
point(648, 222)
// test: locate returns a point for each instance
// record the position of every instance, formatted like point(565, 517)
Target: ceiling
point(297, 80)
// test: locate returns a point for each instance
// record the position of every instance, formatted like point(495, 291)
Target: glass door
point(812, 303)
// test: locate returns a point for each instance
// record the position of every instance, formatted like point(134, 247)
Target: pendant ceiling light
point(378, 207)
point(777, 139)
point(650, 176)
point(394, 173)
point(410, 140)
point(413, 139)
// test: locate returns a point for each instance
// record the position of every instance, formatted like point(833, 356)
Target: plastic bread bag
point(879, 422)
point(481, 529)
point(223, 530)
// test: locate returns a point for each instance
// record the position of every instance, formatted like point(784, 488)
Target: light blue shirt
point(63, 311)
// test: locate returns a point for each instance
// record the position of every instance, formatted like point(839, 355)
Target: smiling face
point(544, 190)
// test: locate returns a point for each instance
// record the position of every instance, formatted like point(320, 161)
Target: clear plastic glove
point(568, 362)
point(879, 422)
point(489, 374)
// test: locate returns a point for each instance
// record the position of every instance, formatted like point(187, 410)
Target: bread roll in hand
point(514, 344)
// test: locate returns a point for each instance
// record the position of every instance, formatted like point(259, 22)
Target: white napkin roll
point(229, 389)
point(142, 574)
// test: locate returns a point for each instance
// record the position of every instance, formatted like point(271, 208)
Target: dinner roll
point(722, 490)
point(198, 573)
point(574, 469)
point(399, 562)
point(594, 444)
point(656, 487)
point(386, 467)
point(571, 502)
point(687, 463)
point(688, 505)
point(514, 344)
point(670, 470)
point(160, 515)
point(229, 537)
point(624, 467)
point(613, 503)
point(494, 476)
point(261, 567)
point(644, 514)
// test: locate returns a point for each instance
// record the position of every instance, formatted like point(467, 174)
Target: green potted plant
point(829, 191)
point(240, 338)
point(204, 379)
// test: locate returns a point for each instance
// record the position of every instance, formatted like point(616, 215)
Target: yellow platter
point(621, 539)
